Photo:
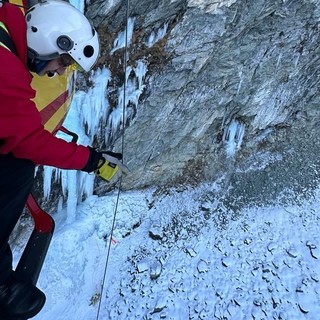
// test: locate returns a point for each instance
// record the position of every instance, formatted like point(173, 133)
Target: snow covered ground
point(173, 257)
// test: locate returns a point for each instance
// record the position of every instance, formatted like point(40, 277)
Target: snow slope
point(173, 258)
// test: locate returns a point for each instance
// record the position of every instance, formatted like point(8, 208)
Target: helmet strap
point(37, 65)
point(32, 55)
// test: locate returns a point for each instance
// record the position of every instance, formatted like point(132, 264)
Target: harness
point(5, 39)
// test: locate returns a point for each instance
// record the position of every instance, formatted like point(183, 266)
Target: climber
point(50, 37)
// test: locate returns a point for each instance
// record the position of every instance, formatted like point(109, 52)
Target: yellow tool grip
point(107, 170)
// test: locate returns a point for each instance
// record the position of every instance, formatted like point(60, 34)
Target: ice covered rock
point(315, 253)
point(276, 301)
point(203, 315)
point(155, 270)
point(227, 261)
point(272, 246)
point(143, 265)
point(304, 302)
point(160, 305)
point(257, 301)
point(191, 252)
point(206, 206)
point(156, 232)
point(315, 277)
point(219, 245)
point(310, 245)
point(220, 293)
point(239, 300)
point(135, 285)
point(292, 251)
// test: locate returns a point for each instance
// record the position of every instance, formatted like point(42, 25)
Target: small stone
point(287, 263)
point(160, 305)
point(310, 245)
point(247, 241)
point(227, 261)
point(272, 246)
point(206, 206)
point(239, 300)
point(219, 245)
point(202, 266)
point(304, 302)
point(220, 294)
point(315, 277)
point(299, 289)
point(292, 252)
point(203, 315)
point(305, 281)
point(266, 277)
point(257, 302)
point(233, 243)
point(143, 266)
point(135, 285)
point(192, 253)
point(155, 270)
point(315, 253)
point(156, 232)
point(276, 301)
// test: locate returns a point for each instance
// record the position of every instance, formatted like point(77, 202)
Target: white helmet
point(55, 27)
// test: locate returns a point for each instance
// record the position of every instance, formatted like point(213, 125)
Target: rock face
point(232, 88)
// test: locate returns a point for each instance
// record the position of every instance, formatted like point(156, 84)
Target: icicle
point(141, 71)
point(47, 177)
point(88, 109)
point(134, 89)
point(156, 36)
point(73, 192)
point(119, 42)
point(240, 81)
point(233, 136)
point(279, 60)
point(93, 105)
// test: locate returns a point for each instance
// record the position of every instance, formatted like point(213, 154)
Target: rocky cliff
point(231, 90)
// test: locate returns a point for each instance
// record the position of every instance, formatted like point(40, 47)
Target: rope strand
point(122, 150)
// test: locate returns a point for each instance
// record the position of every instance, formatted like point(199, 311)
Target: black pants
point(16, 180)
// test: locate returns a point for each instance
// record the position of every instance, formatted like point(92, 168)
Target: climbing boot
point(20, 300)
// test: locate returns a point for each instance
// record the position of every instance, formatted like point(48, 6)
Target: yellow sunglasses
point(67, 62)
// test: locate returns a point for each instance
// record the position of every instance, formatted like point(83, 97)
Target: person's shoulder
point(11, 8)
point(11, 65)
point(12, 17)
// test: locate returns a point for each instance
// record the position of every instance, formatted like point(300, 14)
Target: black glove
point(105, 164)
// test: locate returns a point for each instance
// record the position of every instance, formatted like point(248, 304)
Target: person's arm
point(21, 130)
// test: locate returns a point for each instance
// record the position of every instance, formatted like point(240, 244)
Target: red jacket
point(21, 130)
